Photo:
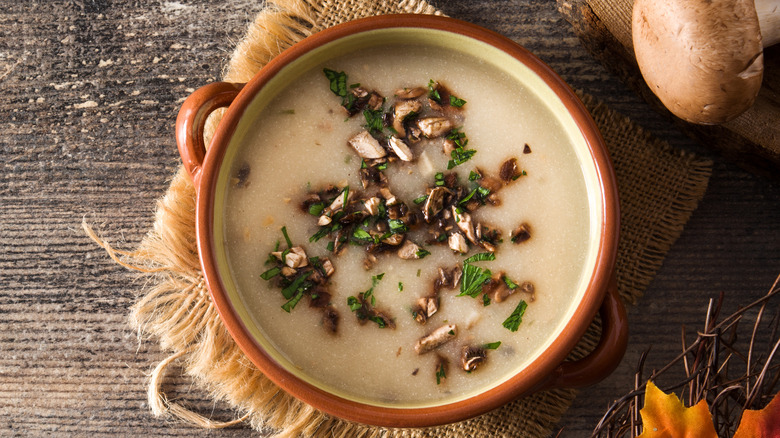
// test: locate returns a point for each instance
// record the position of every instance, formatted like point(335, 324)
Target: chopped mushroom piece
point(426, 307)
point(434, 203)
point(521, 233)
point(465, 224)
point(295, 258)
point(409, 250)
point(367, 146)
point(390, 199)
point(400, 149)
point(401, 111)
point(372, 205)
point(338, 203)
point(433, 127)
point(528, 288)
point(394, 239)
point(509, 171)
point(410, 93)
point(327, 266)
point(324, 220)
point(436, 338)
point(330, 319)
point(471, 357)
point(458, 243)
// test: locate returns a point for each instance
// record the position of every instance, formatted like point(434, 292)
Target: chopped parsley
point(460, 156)
point(421, 253)
point(509, 283)
point(439, 179)
point(485, 300)
point(492, 345)
point(289, 305)
point(316, 209)
point(441, 373)
point(298, 285)
point(287, 239)
point(513, 322)
point(374, 123)
point(271, 273)
point(397, 226)
point(420, 200)
point(473, 279)
point(400, 287)
point(481, 257)
point(456, 102)
point(473, 176)
point(338, 85)
point(433, 91)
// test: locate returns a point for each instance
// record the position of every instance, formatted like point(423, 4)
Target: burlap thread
point(659, 188)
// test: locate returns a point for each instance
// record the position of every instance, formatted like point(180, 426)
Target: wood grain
point(90, 91)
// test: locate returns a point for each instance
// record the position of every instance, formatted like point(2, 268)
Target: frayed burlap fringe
point(176, 310)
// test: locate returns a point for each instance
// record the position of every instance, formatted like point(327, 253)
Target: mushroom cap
point(702, 58)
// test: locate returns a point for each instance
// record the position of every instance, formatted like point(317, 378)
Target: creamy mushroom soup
point(406, 226)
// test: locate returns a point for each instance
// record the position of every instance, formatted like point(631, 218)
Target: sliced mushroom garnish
point(471, 357)
point(367, 146)
point(295, 258)
point(401, 110)
point(390, 199)
point(409, 250)
point(400, 149)
point(372, 205)
point(448, 146)
point(434, 203)
point(394, 239)
point(499, 290)
point(327, 267)
point(425, 308)
point(465, 224)
point(433, 127)
point(521, 233)
point(436, 338)
point(458, 243)
point(410, 93)
point(338, 202)
point(288, 271)
point(528, 288)
point(324, 220)
point(508, 171)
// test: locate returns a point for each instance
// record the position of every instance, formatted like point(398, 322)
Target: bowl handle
point(603, 360)
point(192, 119)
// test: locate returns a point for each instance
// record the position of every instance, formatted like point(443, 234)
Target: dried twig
point(707, 362)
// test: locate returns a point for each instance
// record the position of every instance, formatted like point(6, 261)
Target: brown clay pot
point(548, 370)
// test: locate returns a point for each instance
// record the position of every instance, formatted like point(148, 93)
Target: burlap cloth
point(659, 188)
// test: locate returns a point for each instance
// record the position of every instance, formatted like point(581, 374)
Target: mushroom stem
point(768, 12)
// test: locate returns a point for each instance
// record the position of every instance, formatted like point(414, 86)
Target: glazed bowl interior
point(520, 67)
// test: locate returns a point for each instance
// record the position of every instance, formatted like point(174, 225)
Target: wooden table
point(90, 91)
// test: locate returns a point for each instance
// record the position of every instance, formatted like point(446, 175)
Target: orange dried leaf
point(664, 416)
point(764, 423)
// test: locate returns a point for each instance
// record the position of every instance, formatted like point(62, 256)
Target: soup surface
point(359, 331)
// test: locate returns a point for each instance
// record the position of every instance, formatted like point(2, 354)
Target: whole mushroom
point(704, 58)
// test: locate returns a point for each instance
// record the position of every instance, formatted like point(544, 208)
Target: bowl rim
point(538, 373)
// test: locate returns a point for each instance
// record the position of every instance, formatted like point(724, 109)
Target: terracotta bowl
point(547, 370)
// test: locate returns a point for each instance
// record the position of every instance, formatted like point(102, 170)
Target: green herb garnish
point(298, 285)
point(481, 257)
point(433, 91)
point(421, 253)
point(400, 287)
point(492, 345)
point(509, 283)
point(440, 373)
point(513, 322)
point(397, 226)
point(316, 209)
point(460, 156)
point(473, 176)
point(420, 200)
point(473, 279)
point(374, 123)
point(456, 102)
point(271, 273)
point(289, 305)
point(287, 239)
